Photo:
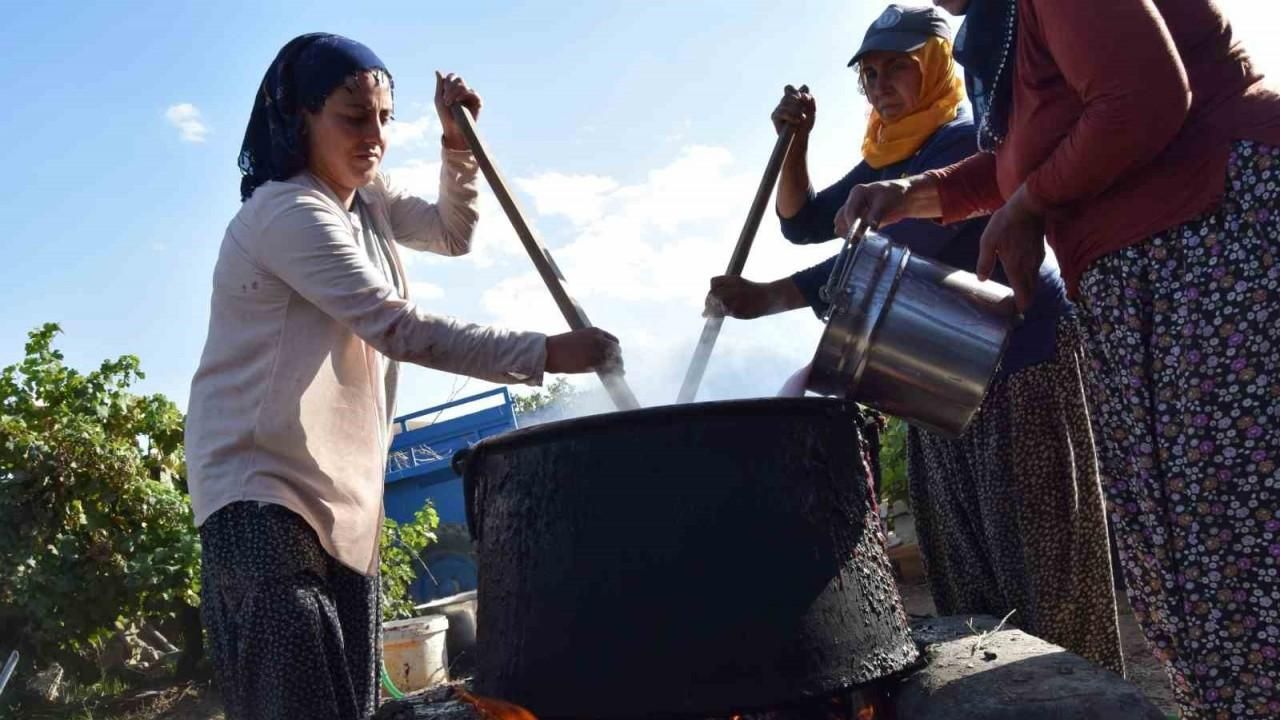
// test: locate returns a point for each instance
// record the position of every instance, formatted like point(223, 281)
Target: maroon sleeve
point(1120, 59)
point(968, 188)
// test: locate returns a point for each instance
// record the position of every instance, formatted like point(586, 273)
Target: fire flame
point(839, 710)
point(491, 709)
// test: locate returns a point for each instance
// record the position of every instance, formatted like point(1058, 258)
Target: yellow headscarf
point(941, 92)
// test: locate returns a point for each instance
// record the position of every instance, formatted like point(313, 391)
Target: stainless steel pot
point(910, 336)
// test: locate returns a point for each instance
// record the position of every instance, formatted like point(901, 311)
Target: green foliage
point(560, 391)
point(401, 547)
point(94, 525)
point(893, 462)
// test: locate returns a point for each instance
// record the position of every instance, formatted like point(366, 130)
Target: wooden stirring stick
point(613, 381)
point(711, 330)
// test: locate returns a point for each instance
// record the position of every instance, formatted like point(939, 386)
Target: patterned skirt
point(292, 633)
point(1010, 515)
point(1184, 330)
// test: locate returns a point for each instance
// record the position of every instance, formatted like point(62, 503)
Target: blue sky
point(636, 132)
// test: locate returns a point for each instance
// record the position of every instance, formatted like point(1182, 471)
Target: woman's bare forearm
point(922, 199)
point(793, 183)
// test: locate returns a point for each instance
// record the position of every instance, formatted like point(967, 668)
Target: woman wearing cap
point(1010, 515)
point(290, 408)
point(1143, 140)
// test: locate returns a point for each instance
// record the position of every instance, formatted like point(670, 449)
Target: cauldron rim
point(557, 430)
point(549, 431)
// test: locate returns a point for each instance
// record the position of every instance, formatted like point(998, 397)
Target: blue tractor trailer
point(419, 470)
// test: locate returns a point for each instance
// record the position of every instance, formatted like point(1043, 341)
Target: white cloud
point(661, 239)
point(420, 291)
point(523, 302)
point(406, 134)
point(580, 198)
point(695, 186)
point(186, 118)
point(638, 258)
point(494, 238)
point(418, 176)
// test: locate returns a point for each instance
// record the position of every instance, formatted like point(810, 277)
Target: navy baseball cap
point(903, 29)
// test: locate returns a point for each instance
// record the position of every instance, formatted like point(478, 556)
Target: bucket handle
point(838, 281)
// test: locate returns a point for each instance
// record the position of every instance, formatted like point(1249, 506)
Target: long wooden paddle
point(573, 313)
point(711, 329)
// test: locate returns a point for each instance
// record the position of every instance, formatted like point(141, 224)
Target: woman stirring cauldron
point(291, 406)
point(1010, 515)
point(1140, 136)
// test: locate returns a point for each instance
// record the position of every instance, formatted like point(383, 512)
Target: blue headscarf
point(303, 74)
point(986, 46)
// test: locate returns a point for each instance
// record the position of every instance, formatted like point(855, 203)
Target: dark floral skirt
point(1010, 515)
point(292, 633)
point(1184, 334)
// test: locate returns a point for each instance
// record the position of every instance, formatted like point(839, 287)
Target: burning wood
point(491, 709)
point(457, 702)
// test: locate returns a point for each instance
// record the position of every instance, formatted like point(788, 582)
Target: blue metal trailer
point(419, 469)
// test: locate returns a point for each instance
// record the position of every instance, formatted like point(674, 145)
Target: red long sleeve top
point(1123, 117)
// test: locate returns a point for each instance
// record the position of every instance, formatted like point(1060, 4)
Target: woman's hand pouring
point(582, 351)
point(875, 204)
point(451, 89)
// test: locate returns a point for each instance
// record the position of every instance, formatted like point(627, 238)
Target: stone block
point(1009, 675)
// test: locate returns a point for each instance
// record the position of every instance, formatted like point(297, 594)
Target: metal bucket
point(910, 336)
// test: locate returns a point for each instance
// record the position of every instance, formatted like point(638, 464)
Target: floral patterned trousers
point(1184, 334)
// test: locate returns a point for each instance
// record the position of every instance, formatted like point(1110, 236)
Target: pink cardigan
point(295, 392)
point(1124, 116)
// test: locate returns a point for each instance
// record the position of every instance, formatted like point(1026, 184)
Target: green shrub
point(893, 462)
point(94, 525)
point(401, 547)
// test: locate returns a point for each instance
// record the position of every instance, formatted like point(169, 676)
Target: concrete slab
point(1009, 675)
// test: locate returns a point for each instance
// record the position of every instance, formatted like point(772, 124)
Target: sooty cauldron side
point(683, 560)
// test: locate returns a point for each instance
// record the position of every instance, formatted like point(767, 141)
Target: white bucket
point(413, 651)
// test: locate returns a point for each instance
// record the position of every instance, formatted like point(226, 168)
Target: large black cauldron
point(694, 559)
